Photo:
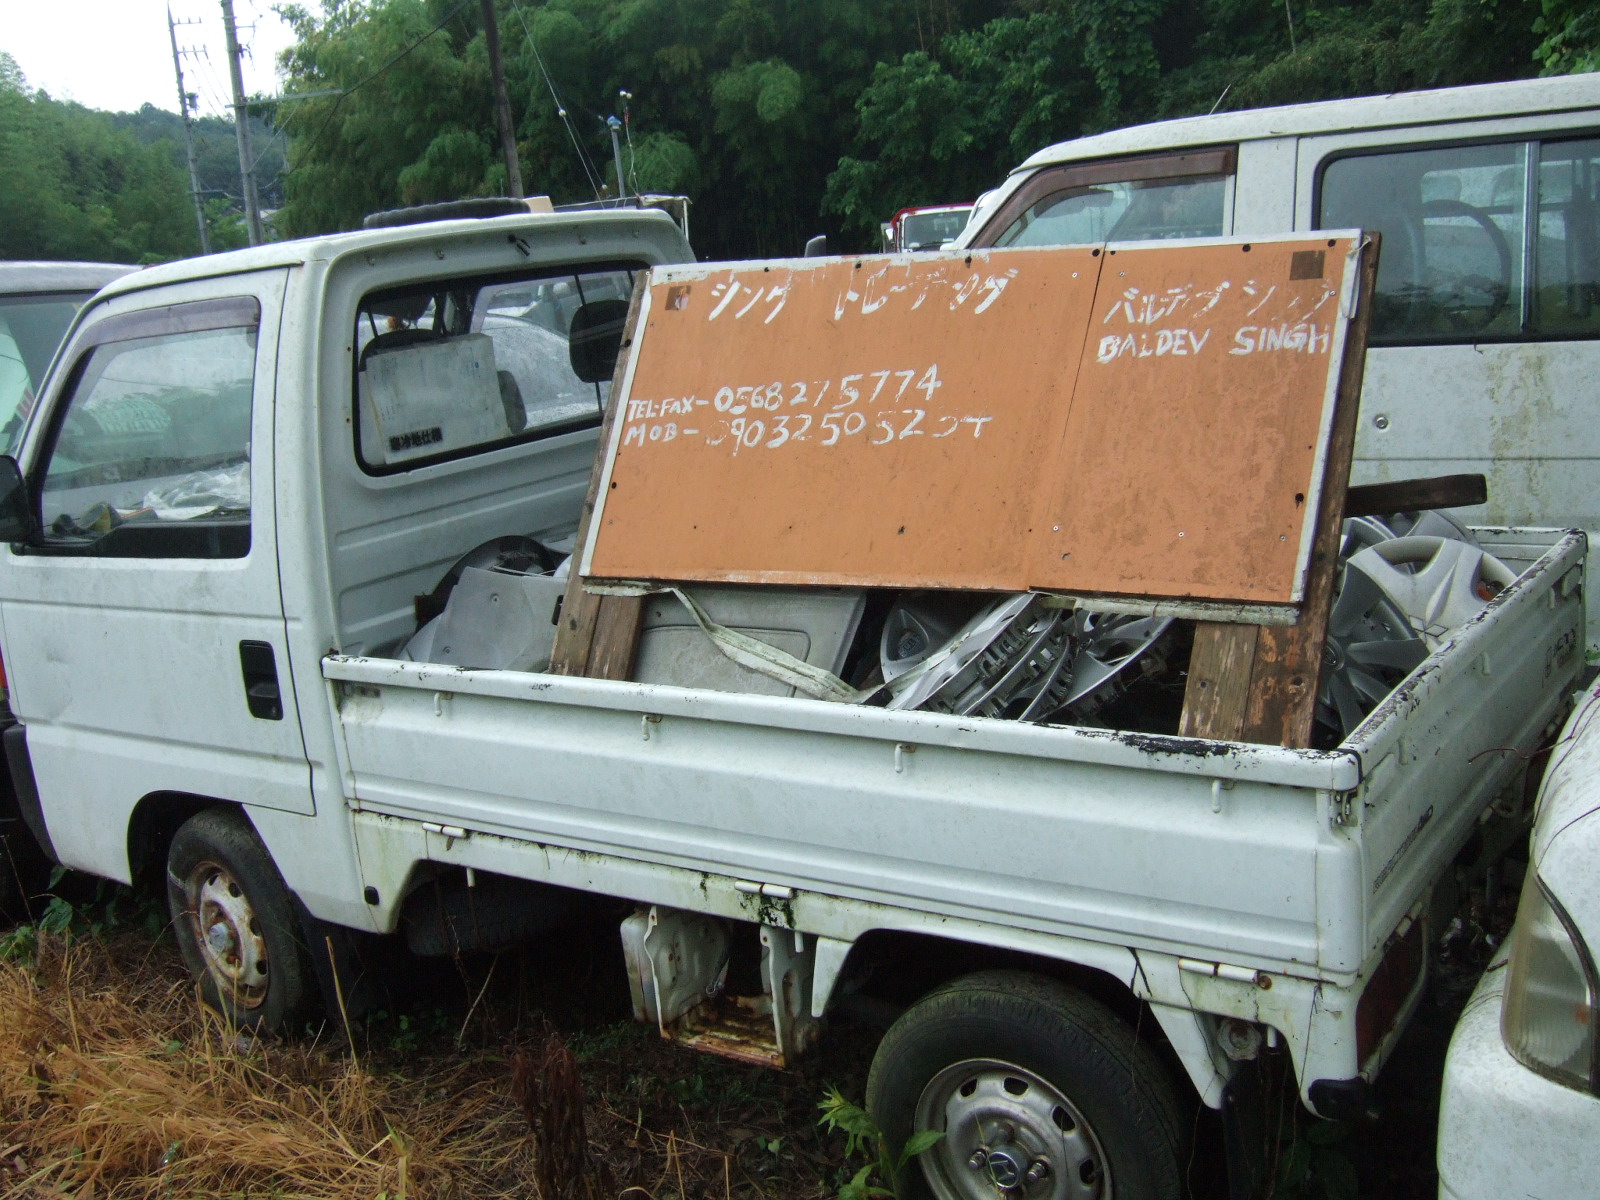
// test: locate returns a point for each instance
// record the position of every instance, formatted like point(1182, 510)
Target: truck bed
point(1222, 851)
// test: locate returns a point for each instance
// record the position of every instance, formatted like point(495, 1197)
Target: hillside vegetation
point(779, 118)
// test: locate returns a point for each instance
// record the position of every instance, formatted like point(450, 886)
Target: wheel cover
point(228, 935)
point(1009, 1133)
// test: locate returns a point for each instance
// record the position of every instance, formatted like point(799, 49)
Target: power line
point(448, 17)
point(561, 109)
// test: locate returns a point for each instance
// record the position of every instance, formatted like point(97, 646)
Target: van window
point(1566, 293)
point(1122, 200)
point(1457, 237)
point(151, 456)
point(456, 366)
point(1452, 223)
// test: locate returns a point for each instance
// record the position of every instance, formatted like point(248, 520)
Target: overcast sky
point(115, 54)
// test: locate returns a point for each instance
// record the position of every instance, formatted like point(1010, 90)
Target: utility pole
point(188, 138)
point(241, 126)
point(502, 102)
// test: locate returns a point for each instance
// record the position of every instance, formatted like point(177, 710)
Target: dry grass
point(119, 1085)
point(116, 1083)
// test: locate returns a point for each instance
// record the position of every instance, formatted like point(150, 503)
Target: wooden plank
point(1220, 669)
point(616, 637)
point(874, 421)
point(978, 421)
point(1207, 391)
point(1415, 495)
point(584, 615)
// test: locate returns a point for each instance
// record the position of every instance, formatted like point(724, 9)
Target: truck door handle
point(261, 691)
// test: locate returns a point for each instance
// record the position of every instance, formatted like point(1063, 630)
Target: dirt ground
point(114, 1084)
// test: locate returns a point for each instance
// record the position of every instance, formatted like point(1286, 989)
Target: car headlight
point(1548, 1018)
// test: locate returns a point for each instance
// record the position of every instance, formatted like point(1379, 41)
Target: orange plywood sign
point(996, 420)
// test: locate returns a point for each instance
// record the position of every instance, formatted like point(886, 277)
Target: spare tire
point(450, 210)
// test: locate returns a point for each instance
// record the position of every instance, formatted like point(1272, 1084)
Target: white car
point(1520, 1111)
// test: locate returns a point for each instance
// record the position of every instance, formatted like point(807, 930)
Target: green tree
point(78, 187)
point(1570, 37)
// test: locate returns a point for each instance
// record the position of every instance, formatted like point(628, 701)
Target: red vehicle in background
point(925, 228)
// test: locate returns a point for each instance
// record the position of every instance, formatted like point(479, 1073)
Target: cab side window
point(1463, 260)
point(150, 456)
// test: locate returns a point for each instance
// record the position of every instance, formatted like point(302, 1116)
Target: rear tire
point(235, 923)
point(1040, 1091)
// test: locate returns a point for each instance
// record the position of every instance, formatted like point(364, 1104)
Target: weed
point(862, 1133)
point(1315, 1167)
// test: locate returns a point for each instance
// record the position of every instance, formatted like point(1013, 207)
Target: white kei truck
point(218, 550)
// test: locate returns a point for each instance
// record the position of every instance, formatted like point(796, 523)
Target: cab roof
point(664, 234)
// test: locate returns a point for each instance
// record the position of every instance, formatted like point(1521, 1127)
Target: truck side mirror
point(16, 508)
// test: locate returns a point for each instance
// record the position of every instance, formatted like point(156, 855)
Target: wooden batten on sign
point(598, 635)
point(1251, 683)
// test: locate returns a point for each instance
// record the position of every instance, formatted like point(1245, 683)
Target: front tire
point(235, 923)
point(1041, 1093)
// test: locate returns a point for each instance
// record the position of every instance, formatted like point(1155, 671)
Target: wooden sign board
point(1139, 420)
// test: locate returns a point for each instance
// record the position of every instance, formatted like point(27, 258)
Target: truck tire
point(235, 923)
point(1039, 1090)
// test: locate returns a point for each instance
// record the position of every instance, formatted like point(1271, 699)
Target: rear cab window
point(1150, 197)
point(459, 366)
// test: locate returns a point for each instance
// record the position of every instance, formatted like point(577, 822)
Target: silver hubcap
point(1007, 1133)
point(230, 938)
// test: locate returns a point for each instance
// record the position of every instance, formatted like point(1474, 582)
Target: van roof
point(1522, 97)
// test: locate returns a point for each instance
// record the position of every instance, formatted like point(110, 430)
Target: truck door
point(143, 628)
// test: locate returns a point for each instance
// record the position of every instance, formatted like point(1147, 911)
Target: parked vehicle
point(1091, 928)
point(37, 302)
point(1521, 1101)
point(1485, 343)
point(927, 227)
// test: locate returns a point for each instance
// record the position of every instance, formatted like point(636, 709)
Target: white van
point(1486, 332)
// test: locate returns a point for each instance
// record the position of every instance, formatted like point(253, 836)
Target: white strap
point(772, 662)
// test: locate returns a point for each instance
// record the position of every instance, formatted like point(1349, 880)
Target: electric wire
point(561, 109)
point(333, 111)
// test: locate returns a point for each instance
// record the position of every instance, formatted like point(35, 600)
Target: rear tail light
point(1548, 1018)
point(1391, 985)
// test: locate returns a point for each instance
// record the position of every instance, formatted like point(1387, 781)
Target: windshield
point(31, 328)
point(930, 230)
